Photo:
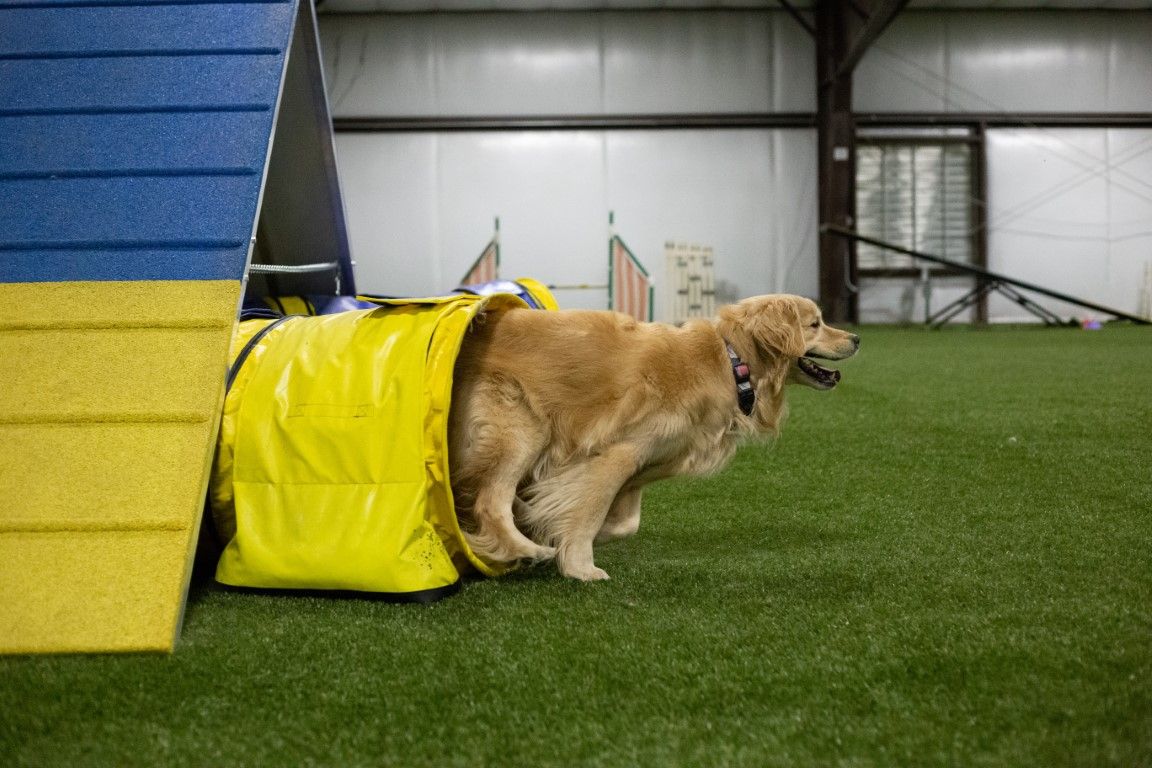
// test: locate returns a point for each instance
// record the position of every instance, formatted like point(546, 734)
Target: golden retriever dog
point(559, 419)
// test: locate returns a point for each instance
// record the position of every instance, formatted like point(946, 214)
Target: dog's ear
point(774, 322)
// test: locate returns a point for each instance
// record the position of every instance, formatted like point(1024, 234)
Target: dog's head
point(791, 328)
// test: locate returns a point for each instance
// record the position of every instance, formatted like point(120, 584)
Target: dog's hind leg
point(495, 537)
point(569, 508)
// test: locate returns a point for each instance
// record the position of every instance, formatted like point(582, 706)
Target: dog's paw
point(541, 554)
point(508, 551)
point(589, 573)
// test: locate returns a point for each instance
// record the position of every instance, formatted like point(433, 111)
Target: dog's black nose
point(855, 340)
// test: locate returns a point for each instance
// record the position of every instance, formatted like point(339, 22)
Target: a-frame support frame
point(987, 282)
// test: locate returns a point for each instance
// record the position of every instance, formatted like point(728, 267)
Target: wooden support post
point(836, 159)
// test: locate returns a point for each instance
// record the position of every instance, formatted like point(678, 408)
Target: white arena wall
point(1068, 208)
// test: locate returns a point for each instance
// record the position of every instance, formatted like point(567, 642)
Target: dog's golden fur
point(559, 419)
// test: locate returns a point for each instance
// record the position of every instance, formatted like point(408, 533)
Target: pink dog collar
point(745, 394)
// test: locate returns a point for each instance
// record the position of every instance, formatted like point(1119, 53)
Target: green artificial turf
point(945, 561)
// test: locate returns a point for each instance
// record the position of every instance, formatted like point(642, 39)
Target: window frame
point(972, 134)
point(976, 179)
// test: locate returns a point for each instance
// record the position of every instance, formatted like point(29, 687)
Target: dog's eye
point(815, 324)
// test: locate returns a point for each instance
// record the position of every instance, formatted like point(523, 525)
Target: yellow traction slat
point(111, 400)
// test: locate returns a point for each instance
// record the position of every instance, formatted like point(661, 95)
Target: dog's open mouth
point(817, 375)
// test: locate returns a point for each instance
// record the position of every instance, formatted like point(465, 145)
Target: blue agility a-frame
point(147, 150)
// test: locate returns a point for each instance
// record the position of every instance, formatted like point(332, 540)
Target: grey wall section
point(504, 64)
point(1072, 210)
point(1068, 209)
point(1010, 62)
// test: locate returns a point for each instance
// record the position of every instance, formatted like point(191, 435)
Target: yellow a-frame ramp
point(134, 154)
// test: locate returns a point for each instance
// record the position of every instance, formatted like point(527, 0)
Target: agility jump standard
point(986, 283)
point(630, 287)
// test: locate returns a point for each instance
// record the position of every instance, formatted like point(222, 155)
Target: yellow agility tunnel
point(332, 464)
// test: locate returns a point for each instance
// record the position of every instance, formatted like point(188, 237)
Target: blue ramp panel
point(133, 135)
point(134, 139)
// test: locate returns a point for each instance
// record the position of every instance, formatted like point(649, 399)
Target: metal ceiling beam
point(794, 12)
point(576, 122)
point(880, 15)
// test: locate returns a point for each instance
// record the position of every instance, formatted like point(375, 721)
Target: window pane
point(915, 195)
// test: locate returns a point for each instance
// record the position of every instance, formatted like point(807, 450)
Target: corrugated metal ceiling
point(404, 6)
